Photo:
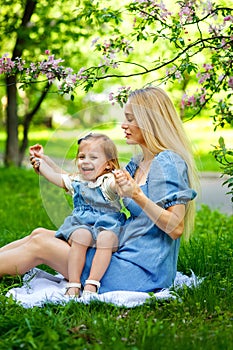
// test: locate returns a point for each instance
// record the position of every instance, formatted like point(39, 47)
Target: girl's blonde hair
point(108, 147)
point(162, 129)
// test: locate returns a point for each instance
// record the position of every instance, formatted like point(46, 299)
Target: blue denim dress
point(93, 210)
point(147, 261)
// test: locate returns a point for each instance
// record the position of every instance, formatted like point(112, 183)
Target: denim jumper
point(147, 261)
point(93, 210)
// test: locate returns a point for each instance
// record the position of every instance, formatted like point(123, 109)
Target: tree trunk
point(12, 147)
point(12, 144)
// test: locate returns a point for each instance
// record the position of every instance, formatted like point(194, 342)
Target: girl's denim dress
point(92, 211)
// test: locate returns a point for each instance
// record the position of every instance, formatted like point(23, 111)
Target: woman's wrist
point(138, 196)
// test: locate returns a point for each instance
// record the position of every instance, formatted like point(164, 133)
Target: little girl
point(96, 218)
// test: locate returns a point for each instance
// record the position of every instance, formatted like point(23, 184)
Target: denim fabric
point(148, 258)
point(91, 211)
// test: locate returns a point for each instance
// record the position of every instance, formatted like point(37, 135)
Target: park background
point(39, 31)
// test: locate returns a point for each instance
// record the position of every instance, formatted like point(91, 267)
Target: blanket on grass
point(40, 287)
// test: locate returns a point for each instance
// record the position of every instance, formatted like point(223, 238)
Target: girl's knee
point(107, 239)
point(81, 236)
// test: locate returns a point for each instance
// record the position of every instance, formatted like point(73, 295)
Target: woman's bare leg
point(80, 241)
point(18, 242)
point(42, 248)
point(106, 243)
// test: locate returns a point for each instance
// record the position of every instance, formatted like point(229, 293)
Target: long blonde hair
point(162, 129)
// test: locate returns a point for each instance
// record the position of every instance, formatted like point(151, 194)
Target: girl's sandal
point(72, 285)
point(88, 292)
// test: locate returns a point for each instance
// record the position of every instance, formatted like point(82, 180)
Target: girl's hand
point(35, 162)
point(36, 150)
point(125, 184)
point(36, 154)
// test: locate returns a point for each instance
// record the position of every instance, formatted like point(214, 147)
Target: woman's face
point(130, 126)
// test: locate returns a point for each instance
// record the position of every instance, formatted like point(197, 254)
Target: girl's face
point(130, 126)
point(92, 161)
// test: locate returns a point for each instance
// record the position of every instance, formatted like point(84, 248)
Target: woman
point(158, 190)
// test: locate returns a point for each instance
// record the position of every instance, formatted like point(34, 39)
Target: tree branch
point(195, 44)
point(28, 118)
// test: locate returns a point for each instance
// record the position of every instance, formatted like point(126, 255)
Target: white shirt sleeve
point(68, 184)
point(106, 188)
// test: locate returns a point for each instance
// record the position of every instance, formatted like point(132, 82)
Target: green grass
point(63, 143)
point(202, 317)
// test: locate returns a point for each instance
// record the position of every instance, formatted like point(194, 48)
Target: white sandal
point(73, 285)
point(94, 283)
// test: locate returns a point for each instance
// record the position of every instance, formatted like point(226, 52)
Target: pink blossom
point(6, 64)
point(230, 82)
point(170, 70)
point(202, 99)
point(215, 30)
point(164, 12)
point(228, 18)
point(183, 101)
point(202, 96)
point(207, 6)
point(207, 66)
point(191, 101)
point(178, 75)
point(33, 67)
point(203, 78)
point(47, 52)
point(111, 96)
point(187, 13)
point(81, 70)
point(115, 65)
point(80, 74)
point(220, 78)
point(94, 41)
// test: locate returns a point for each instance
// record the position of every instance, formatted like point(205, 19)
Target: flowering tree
point(27, 29)
point(191, 41)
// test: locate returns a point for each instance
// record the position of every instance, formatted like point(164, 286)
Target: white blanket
point(40, 287)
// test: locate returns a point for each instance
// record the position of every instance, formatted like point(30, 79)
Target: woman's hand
point(125, 184)
point(170, 220)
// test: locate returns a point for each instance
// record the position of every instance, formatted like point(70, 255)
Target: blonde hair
point(108, 147)
point(162, 129)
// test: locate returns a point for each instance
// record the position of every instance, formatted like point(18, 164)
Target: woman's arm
point(169, 220)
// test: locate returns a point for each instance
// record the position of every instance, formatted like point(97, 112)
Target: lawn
point(201, 318)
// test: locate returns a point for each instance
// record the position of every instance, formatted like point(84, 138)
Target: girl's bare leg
point(106, 243)
point(80, 241)
point(42, 248)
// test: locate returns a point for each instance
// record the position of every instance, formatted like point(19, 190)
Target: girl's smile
point(92, 161)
